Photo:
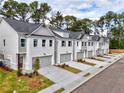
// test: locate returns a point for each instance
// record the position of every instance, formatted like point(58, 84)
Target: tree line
point(38, 13)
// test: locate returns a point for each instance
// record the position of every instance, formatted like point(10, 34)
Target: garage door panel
point(80, 55)
point(44, 61)
point(65, 57)
point(90, 53)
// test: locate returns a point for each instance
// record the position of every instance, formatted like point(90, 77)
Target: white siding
point(11, 40)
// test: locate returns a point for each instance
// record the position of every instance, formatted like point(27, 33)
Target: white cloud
point(93, 8)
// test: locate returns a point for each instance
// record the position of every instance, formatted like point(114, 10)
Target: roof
point(58, 29)
point(95, 37)
point(74, 35)
point(20, 26)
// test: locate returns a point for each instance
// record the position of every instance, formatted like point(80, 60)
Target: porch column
point(28, 63)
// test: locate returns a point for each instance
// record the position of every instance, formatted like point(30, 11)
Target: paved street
point(110, 80)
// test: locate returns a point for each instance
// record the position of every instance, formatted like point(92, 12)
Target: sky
point(92, 9)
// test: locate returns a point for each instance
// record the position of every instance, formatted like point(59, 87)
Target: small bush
point(30, 75)
point(19, 73)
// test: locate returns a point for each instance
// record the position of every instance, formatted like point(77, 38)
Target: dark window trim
point(23, 42)
point(82, 43)
point(43, 43)
point(69, 43)
point(50, 43)
point(77, 43)
point(63, 43)
point(4, 42)
point(35, 42)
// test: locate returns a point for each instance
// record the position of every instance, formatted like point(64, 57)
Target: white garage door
point(45, 61)
point(90, 54)
point(65, 57)
point(80, 55)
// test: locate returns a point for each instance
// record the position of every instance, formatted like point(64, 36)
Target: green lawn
point(9, 81)
point(59, 90)
point(88, 63)
point(99, 59)
point(69, 68)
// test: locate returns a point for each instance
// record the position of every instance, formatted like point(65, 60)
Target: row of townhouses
point(21, 43)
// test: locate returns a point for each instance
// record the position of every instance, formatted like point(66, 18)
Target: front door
point(20, 61)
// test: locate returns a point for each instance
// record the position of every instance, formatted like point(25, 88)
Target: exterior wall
point(38, 51)
point(10, 36)
point(65, 49)
point(77, 48)
point(13, 46)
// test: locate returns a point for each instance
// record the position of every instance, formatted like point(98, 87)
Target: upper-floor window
point(85, 43)
point(69, 43)
point(92, 43)
point(35, 42)
point(63, 43)
point(50, 43)
point(4, 42)
point(77, 43)
point(82, 43)
point(88, 43)
point(43, 43)
point(23, 42)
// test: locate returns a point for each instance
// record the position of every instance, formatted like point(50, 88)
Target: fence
point(116, 50)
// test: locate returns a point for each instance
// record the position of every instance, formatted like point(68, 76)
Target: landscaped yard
point(99, 59)
point(69, 68)
point(59, 90)
point(9, 81)
point(87, 63)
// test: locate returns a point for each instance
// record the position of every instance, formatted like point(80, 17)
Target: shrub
point(36, 66)
point(30, 75)
point(19, 73)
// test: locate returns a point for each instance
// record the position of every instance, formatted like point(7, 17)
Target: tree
point(39, 12)
point(82, 25)
point(57, 20)
point(9, 9)
point(69, 21)
point(36, 66)
point(35, 11)
point(44, 8)
point(22, 11)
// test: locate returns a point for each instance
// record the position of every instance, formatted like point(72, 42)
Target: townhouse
point(21, 43)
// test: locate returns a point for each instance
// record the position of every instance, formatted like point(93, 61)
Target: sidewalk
point(76, 82)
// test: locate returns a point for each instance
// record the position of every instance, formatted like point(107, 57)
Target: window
point(35, 42)
point(69, 43)
point(63, 43)
point(82, 43)
point(4, 42)
point(43, 43)
point(85, 43)
point(50, 43)
point(92, 43)
point(88, 43)
point(77, 43)
point(23, 41)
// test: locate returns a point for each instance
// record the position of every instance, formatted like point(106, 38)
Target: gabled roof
point(58, 29)
point(75, 35)
point(20, 26)
point(95, 38)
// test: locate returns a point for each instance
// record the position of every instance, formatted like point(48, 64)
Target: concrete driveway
point(58, 75)
point(80, 66)
point(98, 63)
